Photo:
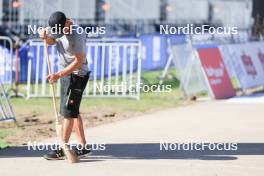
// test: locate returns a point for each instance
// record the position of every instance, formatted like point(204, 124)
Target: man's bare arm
point(76, 64)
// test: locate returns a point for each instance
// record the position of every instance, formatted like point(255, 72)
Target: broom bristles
point(70, 155)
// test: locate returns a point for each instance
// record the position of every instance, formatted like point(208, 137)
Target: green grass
point(149, 100)
point(235, 83)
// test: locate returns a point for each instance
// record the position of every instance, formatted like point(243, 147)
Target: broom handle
point(52, 85)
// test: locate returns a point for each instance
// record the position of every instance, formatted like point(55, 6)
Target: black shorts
point(72, 87)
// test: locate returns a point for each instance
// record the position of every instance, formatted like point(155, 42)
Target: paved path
point(133, 145)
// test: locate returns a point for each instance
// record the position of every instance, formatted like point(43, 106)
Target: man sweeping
point(73, 77)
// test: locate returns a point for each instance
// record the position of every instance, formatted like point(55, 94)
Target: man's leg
point(67, 129)
point(78, 128)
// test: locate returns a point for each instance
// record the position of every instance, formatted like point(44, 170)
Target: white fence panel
point(6, 60)
point(115, 67)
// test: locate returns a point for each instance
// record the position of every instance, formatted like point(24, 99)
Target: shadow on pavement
point(149, 151)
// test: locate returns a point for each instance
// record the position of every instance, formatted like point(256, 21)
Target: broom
point(71, 156)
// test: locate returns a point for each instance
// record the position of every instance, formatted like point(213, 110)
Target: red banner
point(217, 76)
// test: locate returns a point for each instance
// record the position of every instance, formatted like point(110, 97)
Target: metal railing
point(115, 66)
point(6, 111)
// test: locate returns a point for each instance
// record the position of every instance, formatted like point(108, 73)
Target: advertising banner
point(247, 62)
point(216, 73)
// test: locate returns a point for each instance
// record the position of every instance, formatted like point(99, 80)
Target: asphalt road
point(133, 146)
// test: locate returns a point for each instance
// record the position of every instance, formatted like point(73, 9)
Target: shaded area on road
point(147, 151)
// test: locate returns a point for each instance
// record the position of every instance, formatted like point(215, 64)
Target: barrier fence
point(6, 77)
point(116, 64)
point(6, 112)
point(115, 67)
point(188, 69)
point(6, 60)
point(154, 50)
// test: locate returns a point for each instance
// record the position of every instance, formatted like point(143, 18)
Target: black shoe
point(83, 152)
point(55, 155)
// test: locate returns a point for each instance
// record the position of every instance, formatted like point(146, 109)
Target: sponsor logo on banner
point(261, 58)
point(249, 66)
point(216, 73)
